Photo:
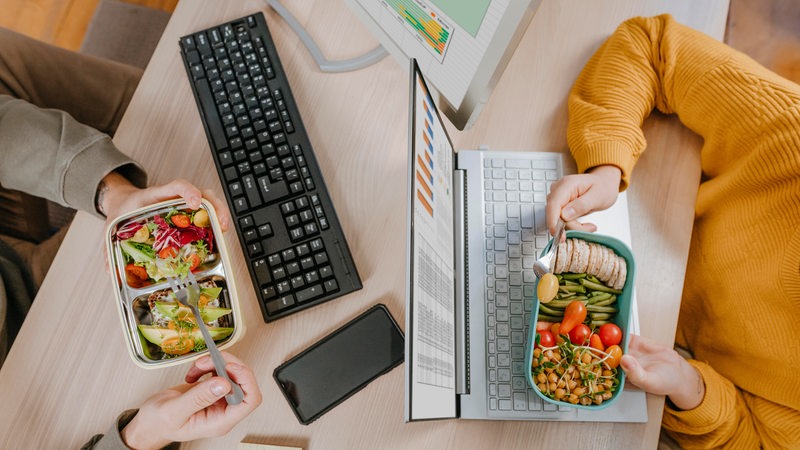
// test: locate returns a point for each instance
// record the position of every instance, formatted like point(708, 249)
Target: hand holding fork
point(188, 293)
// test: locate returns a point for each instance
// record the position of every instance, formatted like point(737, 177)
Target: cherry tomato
point(168, 252)
point(193, 260)
point(181, 220)
point(201, 219)
point(614, 355)
point(547, 288)
point(610, 334)
point(574, 314)
point(596, 343)
point(542, 325)
point(546, 339)
point(579, 334)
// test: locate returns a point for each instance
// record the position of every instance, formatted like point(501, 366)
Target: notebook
point(476, 223)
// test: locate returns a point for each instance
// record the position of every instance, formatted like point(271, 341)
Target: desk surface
point(67, 377)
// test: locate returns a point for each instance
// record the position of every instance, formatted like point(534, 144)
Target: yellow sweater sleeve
point(647, 63)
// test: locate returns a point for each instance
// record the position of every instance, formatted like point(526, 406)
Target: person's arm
point(703, 408)
point(656, 63)
point(48, 154)
point(647, 63)
point(186, 412)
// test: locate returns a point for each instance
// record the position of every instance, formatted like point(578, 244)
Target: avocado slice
point(157, 335)
point(176, 311)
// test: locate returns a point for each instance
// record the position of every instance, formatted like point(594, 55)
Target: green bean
point(550, 311)
point(599, 287)
point(595, 297)
point(600, 316)
point(573, 276)
point(606, 302)
point(548, 318)
point(601, 309)
point(576, 288)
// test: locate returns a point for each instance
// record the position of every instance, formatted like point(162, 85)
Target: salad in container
point(169, 239)
point(581, 323)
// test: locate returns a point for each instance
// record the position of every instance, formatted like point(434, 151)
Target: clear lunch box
point(158, 330)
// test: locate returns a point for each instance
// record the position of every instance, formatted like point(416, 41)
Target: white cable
point(346, 65)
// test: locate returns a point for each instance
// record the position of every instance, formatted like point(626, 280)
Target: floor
point(59, 22)
point(767, 30)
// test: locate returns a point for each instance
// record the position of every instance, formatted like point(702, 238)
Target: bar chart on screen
point(424, 23)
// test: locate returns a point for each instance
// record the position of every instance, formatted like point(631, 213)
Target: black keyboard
point(295, 249)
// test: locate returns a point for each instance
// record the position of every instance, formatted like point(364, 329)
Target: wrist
point(691, 392)
point(611, 173)
point(112, 188)
point(139, 437)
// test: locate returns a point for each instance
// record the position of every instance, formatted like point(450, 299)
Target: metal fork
point(188, 293)
point(544, 264)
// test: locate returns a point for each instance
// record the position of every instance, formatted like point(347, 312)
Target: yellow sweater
point(740, 319)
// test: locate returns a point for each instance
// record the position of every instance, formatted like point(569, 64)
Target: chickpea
point(572, 384)
point(542, 387)
point(560, 393)
point(586, 358)
point(598, 399)
point(579, 390)
point(548, 354)
point(573, 399)
point(536, 352)
point(551, 387)
point(552, 377)
point(541, 378)
point(561, 383)
point(585, 401)
point(607, 395)
point(608, 373)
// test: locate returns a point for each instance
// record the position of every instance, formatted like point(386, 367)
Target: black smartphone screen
point(340, 364)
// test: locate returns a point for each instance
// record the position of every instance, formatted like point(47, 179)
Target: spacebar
point(210, 114)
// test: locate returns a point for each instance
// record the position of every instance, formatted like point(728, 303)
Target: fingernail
point(218, 389)
point(568, 213)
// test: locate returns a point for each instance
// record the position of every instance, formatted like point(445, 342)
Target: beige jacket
point(48, 154)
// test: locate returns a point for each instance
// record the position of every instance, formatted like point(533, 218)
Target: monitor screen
point(461, 47)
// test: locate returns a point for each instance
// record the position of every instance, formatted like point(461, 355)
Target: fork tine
point(192, 279)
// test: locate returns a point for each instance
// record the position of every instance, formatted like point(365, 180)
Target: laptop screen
point(430, 306)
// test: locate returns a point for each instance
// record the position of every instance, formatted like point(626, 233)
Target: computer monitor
point(462, 47)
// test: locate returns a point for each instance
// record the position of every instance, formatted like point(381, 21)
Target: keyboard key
point(280, 304)
point(262, 271)
point(309, 293)
point(331, 285)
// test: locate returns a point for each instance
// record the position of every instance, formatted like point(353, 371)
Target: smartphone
point(340, 364)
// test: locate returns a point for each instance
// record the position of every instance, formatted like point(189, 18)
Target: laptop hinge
point(461, 281)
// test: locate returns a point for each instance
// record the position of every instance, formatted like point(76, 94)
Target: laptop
point(476, 224)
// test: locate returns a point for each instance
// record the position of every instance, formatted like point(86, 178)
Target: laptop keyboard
point(290, 236)
point(515, 193)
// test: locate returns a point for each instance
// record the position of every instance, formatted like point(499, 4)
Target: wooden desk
point(68, 377)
